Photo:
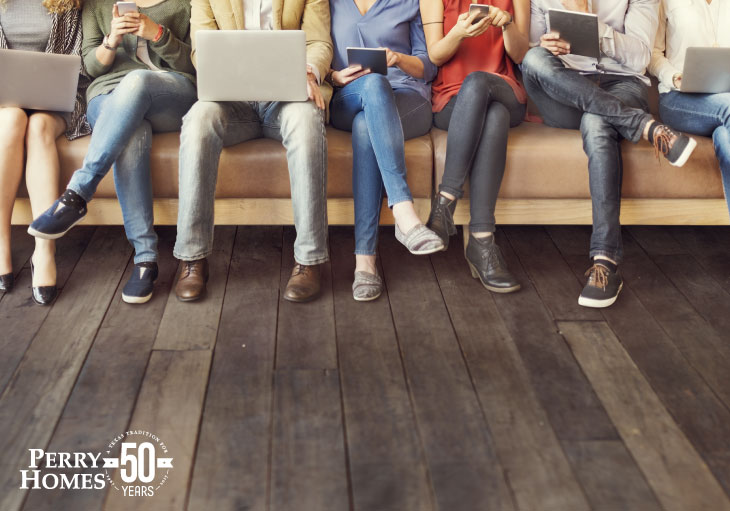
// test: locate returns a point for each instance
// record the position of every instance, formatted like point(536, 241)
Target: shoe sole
point(599, 304)
point(192, 299)
point(501, 290)
point(136, 299)
point(302, 300)
point(44, 236)
point(367, 299)
point(686, 153)
point(428, 251)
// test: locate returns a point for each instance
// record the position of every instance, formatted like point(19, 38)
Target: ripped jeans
point(124, 120)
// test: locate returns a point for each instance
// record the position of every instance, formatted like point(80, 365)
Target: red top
point(483, 53)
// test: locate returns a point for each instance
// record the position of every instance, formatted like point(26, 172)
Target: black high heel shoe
point(43, 295)
point(7, 282)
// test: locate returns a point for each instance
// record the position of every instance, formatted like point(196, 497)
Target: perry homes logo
point(138, 462)
point(137, 455)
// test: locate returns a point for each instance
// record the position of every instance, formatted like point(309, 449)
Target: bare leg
point(405, 216)
point(41, 177)
point(365, 263)
point(13, 122)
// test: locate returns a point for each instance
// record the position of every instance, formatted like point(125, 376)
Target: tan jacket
point(312, 16)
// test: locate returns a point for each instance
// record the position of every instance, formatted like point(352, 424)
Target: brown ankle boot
point(191, 281)
point(303, 284)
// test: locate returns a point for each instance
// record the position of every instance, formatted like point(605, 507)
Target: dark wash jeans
point(478, 120)
point(606, 108)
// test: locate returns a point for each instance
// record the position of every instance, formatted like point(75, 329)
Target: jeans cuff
point(73, 187)
point(181, 257)
point(453, 191)
point(320, 260)
point(146, 259)
point(397, 200)
point(611, 254)
point(366, 252)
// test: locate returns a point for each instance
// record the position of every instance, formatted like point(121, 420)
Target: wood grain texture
point(169, 406)
point(387, 466)
point(458, 445)
point(539, 473)
point(679, 477)
point(509, 211)
point(20, 317)
point(306, 331)
point(194, 325)
point(232, 461)
point(308, 470)
point(35, 397)
point(103, 398)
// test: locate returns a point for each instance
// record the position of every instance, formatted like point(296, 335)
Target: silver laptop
point(251, 65)
point(706, 70)
point(39, 81)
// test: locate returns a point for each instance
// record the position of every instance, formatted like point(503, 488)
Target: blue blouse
point(394, 24)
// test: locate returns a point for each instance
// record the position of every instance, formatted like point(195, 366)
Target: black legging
point(483, 112)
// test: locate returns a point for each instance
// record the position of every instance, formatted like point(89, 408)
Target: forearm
point(516, 43)
point(442, 51)
point(104, 56)
point(175, 52)
point(411, 65)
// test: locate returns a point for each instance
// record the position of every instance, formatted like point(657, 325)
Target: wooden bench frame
point(340, 212)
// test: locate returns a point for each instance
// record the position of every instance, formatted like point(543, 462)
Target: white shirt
point(257, 15)
point(626, 31)
point(682, 24)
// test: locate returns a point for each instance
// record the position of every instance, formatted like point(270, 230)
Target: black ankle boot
point(487, 264)
point(7, 282)
point(441, 219)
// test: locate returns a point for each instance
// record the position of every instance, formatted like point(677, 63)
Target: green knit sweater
point(170, 53)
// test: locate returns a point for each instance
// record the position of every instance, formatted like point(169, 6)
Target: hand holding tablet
point(373, 59)
point(572, 32)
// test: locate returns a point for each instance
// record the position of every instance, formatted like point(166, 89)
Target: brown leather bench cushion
point(256, 169)
point(544, 162)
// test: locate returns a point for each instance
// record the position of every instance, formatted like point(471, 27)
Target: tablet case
point(579, 29)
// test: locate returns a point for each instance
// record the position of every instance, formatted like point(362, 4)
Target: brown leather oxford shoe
point(303, 284)
point(191, 280)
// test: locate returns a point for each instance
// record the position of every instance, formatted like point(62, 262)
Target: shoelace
point(662, 142)
point(597, 276)
point(190, 268)
point(299, 269)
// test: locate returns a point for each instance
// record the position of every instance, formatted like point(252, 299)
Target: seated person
point(608, 102)
point(210, 126)
point(143, 83)
point(681, 25)
point(477, 98)
point(382, 112)
point(52, 26)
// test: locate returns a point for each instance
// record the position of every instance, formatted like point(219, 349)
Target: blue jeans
point(209, 126)
point(702, 114)
point(606, 108)
point(380, 119)
point(124, 120)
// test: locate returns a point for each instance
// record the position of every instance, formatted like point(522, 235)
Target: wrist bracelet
point(160, 31)
point(105, 43)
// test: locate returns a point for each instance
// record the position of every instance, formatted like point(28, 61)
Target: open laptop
point(706, 70)
point(251, 65)
point(39, 81)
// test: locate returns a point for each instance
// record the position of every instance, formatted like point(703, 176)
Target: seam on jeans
point(610, 254)
point(365, 253)
point(320, 260)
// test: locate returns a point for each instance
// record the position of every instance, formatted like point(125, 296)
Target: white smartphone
point(126, 7)
point(482, 9)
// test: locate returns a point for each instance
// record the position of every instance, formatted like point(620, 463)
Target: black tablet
point(369, 58)
point(580, 29)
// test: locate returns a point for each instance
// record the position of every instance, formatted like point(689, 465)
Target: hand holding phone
point(479, 11)
point(121, 23)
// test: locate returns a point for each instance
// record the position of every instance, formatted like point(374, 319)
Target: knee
point(202, 118)
point(13, 126)
point(375, 86)
point(721, 141)
point(477, 82)
point(498, 115)
point(535, 61)
point(303, 120)
point(135, 84)
point(592, 125)
point(41, 129)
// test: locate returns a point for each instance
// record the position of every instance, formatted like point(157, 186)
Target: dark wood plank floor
point(438, 396)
